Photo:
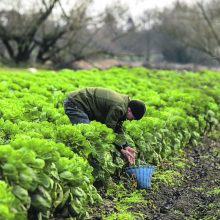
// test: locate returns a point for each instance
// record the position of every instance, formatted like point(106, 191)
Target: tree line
point(49, 32)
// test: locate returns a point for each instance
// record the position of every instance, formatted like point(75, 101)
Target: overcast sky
point(137, 6)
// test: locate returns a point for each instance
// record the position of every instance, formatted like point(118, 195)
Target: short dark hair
point(138, 108)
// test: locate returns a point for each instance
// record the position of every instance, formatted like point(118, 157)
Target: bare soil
point(195, 196)
point(109, 63)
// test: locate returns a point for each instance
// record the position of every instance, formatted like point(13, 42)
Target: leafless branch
point(209, 22)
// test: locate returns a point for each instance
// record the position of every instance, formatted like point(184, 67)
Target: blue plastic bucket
point(142, 174)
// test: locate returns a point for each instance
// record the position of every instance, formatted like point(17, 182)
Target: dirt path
point(198, 197)
point(194, 193)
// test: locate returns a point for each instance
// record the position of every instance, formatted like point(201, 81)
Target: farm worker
point(105, 106)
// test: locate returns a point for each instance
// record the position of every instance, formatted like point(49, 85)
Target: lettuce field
point(50, 169)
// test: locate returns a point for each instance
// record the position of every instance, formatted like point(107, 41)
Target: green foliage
point(49, 166)
point(124, 200)
point(6, 202)
point(123, 215)
point(45, 175)
point(168, 177)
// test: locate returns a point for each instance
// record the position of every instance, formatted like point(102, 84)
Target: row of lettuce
point(48, 167)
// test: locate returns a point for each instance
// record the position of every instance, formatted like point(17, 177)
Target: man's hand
point(129, 153)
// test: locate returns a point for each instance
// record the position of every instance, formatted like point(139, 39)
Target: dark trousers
point(74, 113)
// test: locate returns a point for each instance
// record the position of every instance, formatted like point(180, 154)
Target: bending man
point(105, 106)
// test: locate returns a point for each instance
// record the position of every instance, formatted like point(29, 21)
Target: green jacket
point(103, 105)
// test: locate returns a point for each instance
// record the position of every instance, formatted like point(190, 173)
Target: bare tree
point(17, 31)
point(113, 27)
point(211, 16)
point(196, 26)
point(57, 38)
point(147, 21)
point(40, 34)
point(36, 33)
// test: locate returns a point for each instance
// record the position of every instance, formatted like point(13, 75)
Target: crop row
point(48, 167)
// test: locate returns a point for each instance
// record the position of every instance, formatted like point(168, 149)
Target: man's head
point(136, 110)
